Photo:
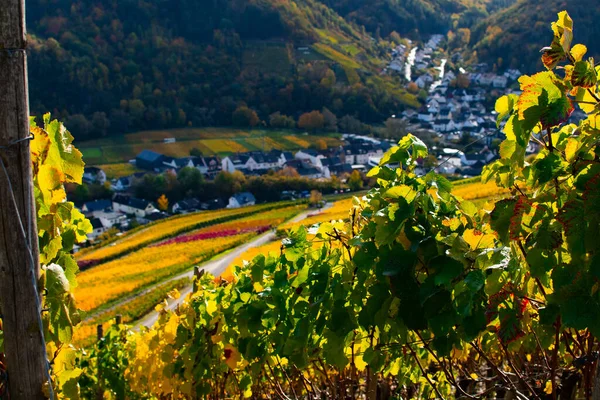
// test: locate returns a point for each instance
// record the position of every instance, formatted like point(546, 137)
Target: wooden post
point(99, 389)
point(23, 341)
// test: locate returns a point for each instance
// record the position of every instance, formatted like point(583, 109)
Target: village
point(457, 109)
point(125, 211)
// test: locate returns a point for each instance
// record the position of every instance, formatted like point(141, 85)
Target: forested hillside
point(415, 17)
point(130, 65)
point(515, 35)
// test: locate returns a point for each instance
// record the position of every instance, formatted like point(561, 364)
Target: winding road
point(216, 267)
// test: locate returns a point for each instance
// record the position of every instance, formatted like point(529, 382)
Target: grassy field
point(211, 141)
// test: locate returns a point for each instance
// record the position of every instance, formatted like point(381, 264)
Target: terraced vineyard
point(129, 284)
point(148, 234)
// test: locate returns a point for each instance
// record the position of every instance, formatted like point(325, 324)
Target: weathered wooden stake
point(99, 389)
point(23, 342)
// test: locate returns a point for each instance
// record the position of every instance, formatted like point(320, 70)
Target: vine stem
point(555, 357)
point(594, 95)
point(416, 357)
point(447, 371)
point(516, 371)
point(501, 373)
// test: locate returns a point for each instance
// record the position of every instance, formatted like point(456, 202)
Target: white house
point(130, 205)
point(98, 228)
point(238, 161)
point(93, 207)
point(243, 199)
point(309, 156)
point(499, 81)
point(94, 175)
point(122, 184)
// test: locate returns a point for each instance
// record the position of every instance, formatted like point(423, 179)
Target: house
point(179, 163)
point(122, 184)
point(92, 207)
point(152, 217)
point(94, 175)
point(150, 160)
point(98, 228)
point(266, 161)
point(236, 162)
point(214, 204)
point(309, 172)
point(310, 156)
point(209, 166)
point(243, 199)
point(186, 206)
point(499, 81)
point(111, 218)
point(131, 205)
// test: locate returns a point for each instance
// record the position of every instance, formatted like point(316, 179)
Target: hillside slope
point(415, 17)
point(129, 65)
point(517, 33)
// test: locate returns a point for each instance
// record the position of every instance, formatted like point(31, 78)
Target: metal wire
point(28, 236)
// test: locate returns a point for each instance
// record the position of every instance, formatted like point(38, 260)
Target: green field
point(211, 141)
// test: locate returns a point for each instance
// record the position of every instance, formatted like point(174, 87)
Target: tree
point(196, 152)
point(330, 120)
point(191, 181)
point(462, 81)
point(329, 79)
point(355, 182)
point(395, 37)
point(395, 128)
point(412, 87)
point(79, 125)
point(163, 203)
point(312, 121)
point(245, 117)
point(321, 144)
point(100, 124)
point(316, 198)
point(279, 120)
point(349, 124)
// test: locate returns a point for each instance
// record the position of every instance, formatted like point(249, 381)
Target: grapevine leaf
point(507, 148)
point(543, 100)
point(584, 74)
point(500, 218)
point(585, 100)
point(402, 191)
point(563, 30)
point(445, 269)
point(571, 149)
point(547, 167)
point(578, 51)
point(504, 106)
point(63, 154)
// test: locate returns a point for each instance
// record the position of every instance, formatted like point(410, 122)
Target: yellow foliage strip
point(340, 210)
point(85, 333)
point(248, 255)
point(478, 190)
point(114, 171)
point(111, 281)
point(299, 141)
point(224, 146)
point(257, 221)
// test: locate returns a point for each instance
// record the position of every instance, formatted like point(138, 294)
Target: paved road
point(217, 266)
